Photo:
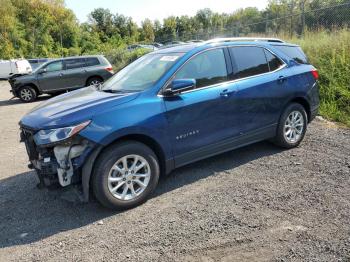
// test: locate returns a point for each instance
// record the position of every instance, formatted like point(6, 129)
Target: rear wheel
point(94, 81)
point(27, 94)
point(292, 126)
point(125, 175)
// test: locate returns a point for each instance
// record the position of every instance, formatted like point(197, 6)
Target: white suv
point(13, 67)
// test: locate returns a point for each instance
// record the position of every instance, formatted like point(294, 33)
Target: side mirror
point(180, 85)
point(42, 70)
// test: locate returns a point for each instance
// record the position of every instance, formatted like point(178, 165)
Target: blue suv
point(167, 109)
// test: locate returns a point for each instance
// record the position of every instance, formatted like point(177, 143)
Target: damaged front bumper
point(62, 162)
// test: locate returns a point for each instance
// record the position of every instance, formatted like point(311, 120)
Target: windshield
point(142, 73)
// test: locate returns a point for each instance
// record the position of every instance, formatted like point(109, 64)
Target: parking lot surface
point(257, 203)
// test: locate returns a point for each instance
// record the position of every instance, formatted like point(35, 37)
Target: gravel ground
point(258, 203)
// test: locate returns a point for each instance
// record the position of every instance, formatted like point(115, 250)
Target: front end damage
point(60, 163)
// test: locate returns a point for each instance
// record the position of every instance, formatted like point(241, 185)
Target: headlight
point(55, 135)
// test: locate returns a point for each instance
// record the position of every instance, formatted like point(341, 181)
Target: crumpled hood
point(73, 108)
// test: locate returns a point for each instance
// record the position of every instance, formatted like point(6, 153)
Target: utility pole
point(292, 4)
point(61, 43)
point(302, 7)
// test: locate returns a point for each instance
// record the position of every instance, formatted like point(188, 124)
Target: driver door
point(52, 78)
point(196, 118)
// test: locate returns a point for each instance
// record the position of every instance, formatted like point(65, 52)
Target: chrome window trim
point(226, 82)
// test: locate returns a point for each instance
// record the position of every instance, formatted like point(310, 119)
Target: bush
point(329, 52)
point(121, 57)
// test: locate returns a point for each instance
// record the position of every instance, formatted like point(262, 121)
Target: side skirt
point(226, 145)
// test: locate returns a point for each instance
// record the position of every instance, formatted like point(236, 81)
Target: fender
point(131, 131)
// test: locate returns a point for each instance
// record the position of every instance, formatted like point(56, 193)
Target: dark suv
point(59, 75)
point(170, 108)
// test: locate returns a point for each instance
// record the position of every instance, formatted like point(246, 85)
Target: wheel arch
point(305, 103)
point(34, 86)
point(93, 76)
point(148, 141)
point(89, 165)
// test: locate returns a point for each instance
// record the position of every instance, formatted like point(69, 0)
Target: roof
point(180, 48)
point(184, 48)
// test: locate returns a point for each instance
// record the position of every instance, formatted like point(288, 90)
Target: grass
point(329, 52)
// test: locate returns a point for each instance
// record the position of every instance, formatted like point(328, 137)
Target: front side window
point(142, 73)
point(54, 66)
point(248, 61)
point(74, 63)
point(208, 68)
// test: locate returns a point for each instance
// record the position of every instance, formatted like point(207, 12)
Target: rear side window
point(273, 61)
point(92, 61)
point(293, 52)
point(248, 61)
point(74, 63)
point(208, 68)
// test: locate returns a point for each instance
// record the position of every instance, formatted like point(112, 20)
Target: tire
point(94, 81)
point(284, 136)
point(113, 158)
point(27, 94)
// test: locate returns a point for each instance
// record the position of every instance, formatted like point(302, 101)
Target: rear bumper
point(314, 98)
point(313, 113)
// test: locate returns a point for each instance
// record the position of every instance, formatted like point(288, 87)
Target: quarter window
point(92, 61)
point(293, 52)
point(208, 68)
point(248, 61)
point(54, 66)
point(273, 61)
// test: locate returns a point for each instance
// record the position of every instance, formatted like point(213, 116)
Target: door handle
point(224, 93)
point(281, 79)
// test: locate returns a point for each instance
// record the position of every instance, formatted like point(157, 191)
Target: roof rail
point(256, 39)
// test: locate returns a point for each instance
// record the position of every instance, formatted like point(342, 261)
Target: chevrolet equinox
point(167, 109)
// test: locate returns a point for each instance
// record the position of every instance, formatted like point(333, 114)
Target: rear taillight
point(109, 69)
point(314, 73)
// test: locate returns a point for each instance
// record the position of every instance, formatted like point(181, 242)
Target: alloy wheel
point(95, 82)
point(129, 177)
point(294, 127)
point(26, 94)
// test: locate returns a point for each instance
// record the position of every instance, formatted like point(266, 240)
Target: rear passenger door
point(74, 73)
point(260, 89)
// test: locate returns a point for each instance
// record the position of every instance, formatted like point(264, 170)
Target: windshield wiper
point(113, 91)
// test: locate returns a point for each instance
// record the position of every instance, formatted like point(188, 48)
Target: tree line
point(46, 28)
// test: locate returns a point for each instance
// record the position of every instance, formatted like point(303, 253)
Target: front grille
point(27, 136)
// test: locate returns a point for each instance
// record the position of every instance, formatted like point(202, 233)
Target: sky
point(159, 9)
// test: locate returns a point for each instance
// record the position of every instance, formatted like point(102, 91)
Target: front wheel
point(292, 126)
point(125, 175)
point(27, 94)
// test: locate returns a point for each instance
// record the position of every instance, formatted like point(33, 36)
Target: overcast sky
point(159, 9)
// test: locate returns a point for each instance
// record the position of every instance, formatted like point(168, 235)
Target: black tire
point(281, 138)
point(94, 81)
point(108, 159)
point(27, 94)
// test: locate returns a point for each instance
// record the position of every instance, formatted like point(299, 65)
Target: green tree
point(147, 31)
